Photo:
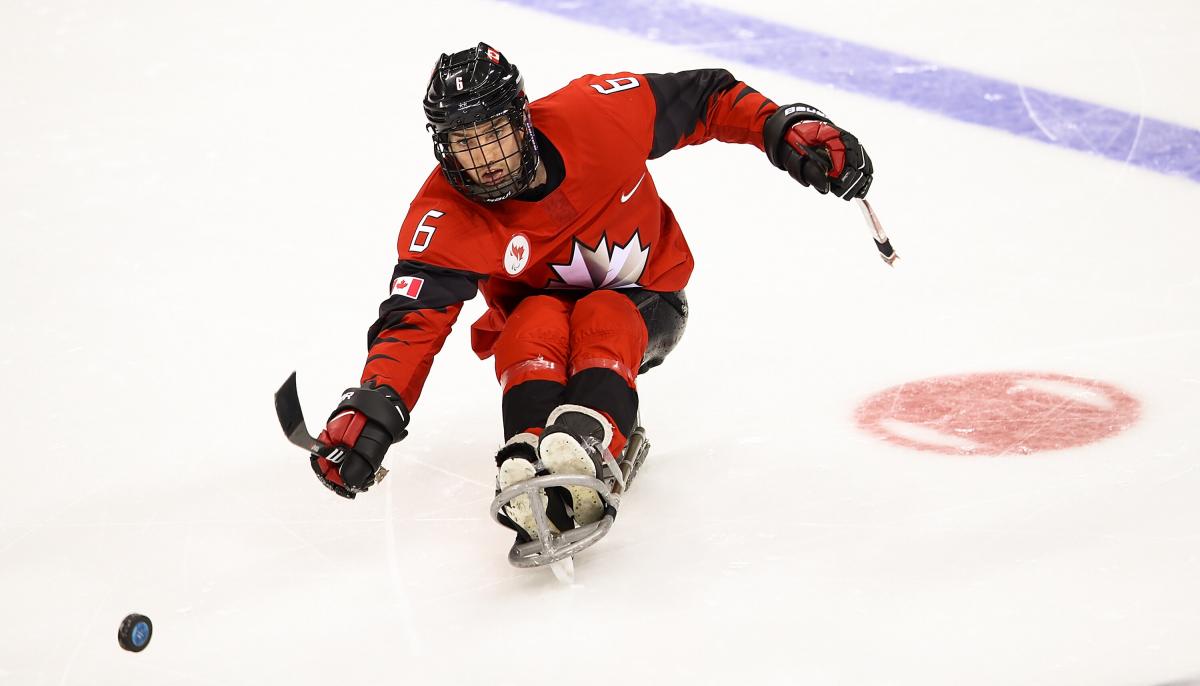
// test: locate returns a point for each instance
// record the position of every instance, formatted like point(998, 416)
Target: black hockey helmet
point(479, 117)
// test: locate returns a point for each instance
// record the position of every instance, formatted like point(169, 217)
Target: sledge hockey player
point(547, 208)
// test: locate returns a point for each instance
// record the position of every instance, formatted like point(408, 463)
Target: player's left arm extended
point(693, 107)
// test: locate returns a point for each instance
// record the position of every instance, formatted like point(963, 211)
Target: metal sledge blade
point(291, 418)
point(564, 570)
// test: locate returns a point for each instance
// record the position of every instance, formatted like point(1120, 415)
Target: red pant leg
point(607, 333)
point(531, 362)
point(535, 342)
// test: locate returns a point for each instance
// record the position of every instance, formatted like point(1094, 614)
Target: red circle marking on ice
point(998, 413)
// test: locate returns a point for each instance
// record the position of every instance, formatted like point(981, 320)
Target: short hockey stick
point(886, 253)
point(882, 244)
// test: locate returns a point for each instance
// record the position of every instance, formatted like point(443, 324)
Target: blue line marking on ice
point(1126, 137)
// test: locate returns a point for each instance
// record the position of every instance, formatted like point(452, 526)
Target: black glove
point(801, 140)
point(364, 425)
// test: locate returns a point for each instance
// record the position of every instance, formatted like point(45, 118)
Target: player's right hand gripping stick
point(802, 141)
point(365, 424)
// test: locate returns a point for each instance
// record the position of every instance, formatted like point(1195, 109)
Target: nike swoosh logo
point(626, 197)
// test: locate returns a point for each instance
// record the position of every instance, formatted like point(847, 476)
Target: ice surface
point(196, 200)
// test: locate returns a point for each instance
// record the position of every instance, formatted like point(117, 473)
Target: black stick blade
point(287, 407)
point(291, 418)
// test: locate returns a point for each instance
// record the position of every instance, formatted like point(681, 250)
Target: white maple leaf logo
point(599, 267)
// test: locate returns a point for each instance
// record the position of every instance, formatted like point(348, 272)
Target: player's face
point(489, 152)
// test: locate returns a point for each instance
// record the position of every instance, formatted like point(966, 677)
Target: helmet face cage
point(492, 158)
point(479, 117)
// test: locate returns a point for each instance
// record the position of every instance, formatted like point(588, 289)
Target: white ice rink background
point(198, 198)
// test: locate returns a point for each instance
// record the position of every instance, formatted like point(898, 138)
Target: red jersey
point(603, 226)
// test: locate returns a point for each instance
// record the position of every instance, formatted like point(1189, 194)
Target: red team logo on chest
point(516, 255)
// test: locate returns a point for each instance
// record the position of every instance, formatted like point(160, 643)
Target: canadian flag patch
point(408, 286)
point(493, 55)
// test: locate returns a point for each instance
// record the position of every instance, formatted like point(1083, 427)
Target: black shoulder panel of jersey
point(681, 101)
point(440, 288)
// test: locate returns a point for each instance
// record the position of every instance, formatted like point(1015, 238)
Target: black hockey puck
point(135, 632)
